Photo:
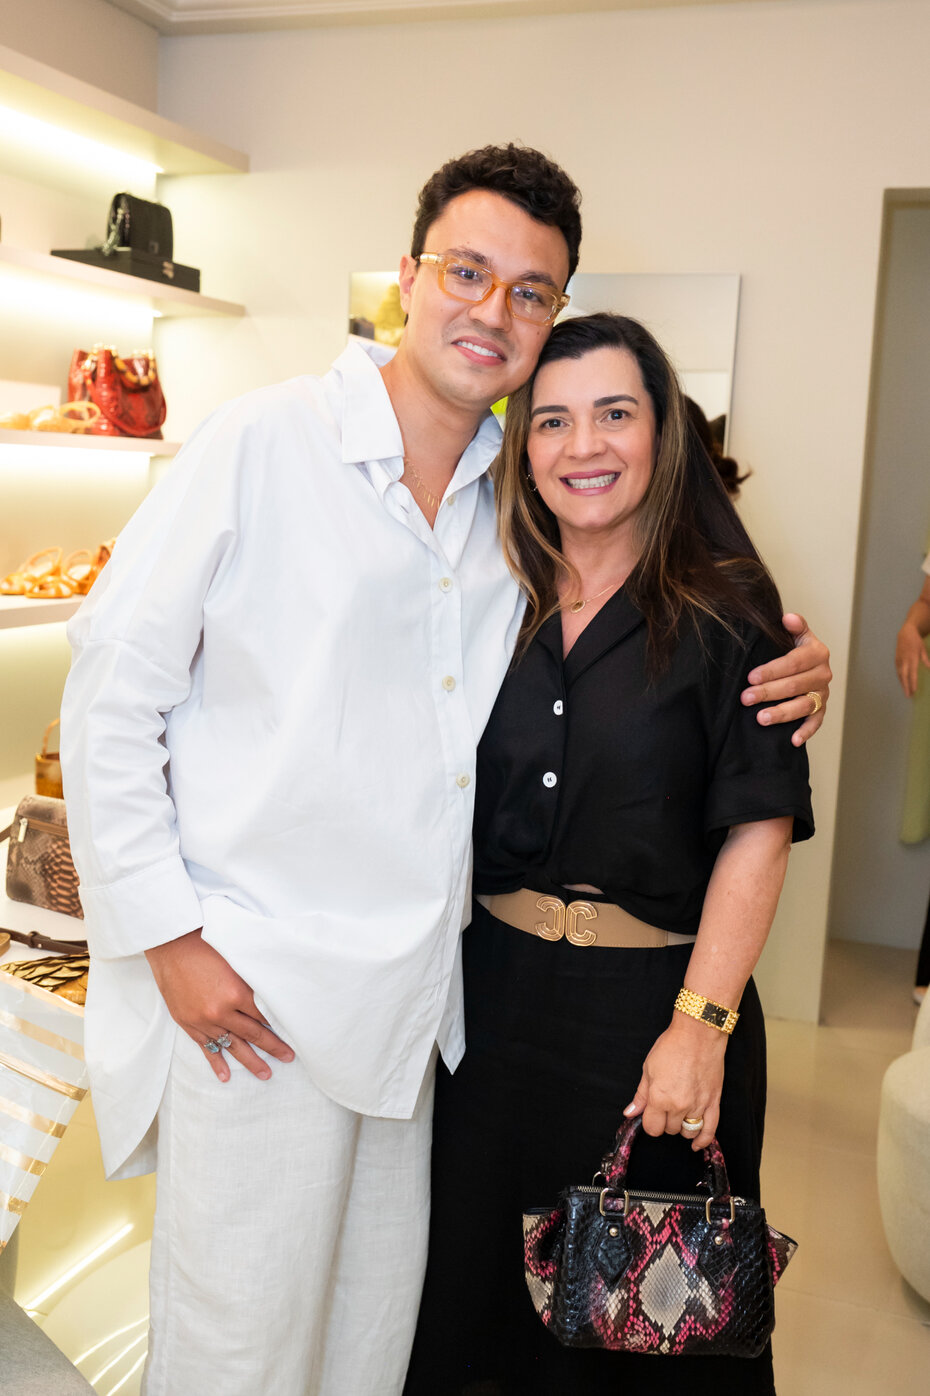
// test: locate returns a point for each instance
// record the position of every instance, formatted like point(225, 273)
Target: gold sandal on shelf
point(52, 588)
point(84, 567)
point(70, 417)
point(41, 566)
point(77, 575)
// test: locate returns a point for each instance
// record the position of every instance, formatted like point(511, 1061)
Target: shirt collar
point(370, 430)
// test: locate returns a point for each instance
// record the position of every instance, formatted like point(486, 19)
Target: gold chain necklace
point(433, 500)
point(577, 606)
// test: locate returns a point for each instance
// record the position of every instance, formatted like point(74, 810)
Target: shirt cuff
point(144, 909)
point(754, 797)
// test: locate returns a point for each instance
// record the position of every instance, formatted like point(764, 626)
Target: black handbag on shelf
point(653, 1272)
point(140, 242)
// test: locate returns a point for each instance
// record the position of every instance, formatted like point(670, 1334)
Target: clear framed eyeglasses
point(469, 281)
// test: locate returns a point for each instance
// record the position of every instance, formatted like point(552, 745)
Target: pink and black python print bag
point(649, 1272)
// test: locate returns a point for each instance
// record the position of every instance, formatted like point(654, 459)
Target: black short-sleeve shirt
point(588, 772)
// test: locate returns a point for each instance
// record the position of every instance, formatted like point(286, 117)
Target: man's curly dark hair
point(524, 176)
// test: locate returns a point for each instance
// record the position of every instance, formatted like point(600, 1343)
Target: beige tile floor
point(848, 1325)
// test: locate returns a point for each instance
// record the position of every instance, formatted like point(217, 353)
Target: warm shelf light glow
point(123, 1352)
point(29, 296)
point(63, 144)
point(131, 1373)
point(58, 463)
point(34, 1306)
point(118, 1333)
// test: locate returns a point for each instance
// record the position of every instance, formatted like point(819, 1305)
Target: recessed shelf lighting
point(63, 144)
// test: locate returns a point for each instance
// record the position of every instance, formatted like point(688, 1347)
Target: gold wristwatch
point(706, 1011)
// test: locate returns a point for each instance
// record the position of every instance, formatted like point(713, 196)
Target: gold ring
point(691, 1124)
point(817, 701)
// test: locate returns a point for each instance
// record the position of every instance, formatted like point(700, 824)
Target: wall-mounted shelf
point(42, 92)
point(69, 441)
point(17, 611)
point(167, 300)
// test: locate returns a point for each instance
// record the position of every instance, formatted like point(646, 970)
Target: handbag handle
point(615, 1164)
point(54, 723)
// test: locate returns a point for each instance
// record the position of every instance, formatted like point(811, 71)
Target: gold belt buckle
point(565, 921)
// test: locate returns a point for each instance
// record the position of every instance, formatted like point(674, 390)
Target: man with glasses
point(269, 739)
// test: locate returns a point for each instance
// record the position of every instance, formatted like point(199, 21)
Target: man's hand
point(207, 998)
point(790, 680)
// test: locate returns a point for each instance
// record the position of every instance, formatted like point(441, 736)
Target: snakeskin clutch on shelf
point(650, 1272)
point(39, 869)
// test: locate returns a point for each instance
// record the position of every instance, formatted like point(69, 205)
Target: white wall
point(755, 139)
point(880, 885)
point(90, 40)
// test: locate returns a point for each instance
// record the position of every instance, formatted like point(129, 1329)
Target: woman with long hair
point(618, 766)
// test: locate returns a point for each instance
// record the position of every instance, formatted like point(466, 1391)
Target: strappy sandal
point(71, 417)
point(52, 588)
point(79, 571)
point(41, 566)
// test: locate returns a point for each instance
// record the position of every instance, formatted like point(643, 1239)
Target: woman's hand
point(682, 1077)
point(910, 652)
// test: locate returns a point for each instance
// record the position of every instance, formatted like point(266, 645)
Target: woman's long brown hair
point(696, 560)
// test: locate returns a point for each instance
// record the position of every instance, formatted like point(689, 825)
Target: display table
point(93, 1306)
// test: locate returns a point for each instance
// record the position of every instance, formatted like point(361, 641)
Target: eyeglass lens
point(469, 282)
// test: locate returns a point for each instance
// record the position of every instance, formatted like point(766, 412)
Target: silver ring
point(217, 1044)
point(693, 1126)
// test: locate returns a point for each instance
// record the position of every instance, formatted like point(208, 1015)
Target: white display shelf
point(17, 611)
point(167, 300)
point(49, 95)
point(69, 441)
point(17, 916)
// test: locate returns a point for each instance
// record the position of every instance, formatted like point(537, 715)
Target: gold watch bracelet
point(715, 1015)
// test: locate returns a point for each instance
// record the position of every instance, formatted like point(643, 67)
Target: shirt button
point(448, 683)
point(463, 780)
point(450, 501)
point(550, 779)
point(558, 707)
point(445, 583)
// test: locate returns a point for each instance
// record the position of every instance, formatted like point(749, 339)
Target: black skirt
point(556, 1037)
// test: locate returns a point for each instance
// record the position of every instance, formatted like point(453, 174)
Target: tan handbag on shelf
point(39, 870)
point(48, 768)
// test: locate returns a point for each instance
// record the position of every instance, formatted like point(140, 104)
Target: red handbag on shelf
point(127, 391)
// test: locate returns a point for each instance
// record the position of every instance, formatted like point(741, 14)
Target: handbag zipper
point(660, 1196)
point(58, 831)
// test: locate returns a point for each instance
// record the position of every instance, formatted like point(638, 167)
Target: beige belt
point(581, 923)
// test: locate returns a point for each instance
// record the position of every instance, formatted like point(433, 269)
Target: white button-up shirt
point(261, 736)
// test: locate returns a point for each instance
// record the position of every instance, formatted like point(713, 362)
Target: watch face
point(715, 1015)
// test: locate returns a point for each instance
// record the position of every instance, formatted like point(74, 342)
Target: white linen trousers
point(290, 1236)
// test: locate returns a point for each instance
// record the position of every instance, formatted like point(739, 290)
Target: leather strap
point(581, 922)
point(40, 942)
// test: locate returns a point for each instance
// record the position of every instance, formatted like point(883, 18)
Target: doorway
point(880, 886)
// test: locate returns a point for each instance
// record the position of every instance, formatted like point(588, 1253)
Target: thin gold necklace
point(577, 606)
point(433, 500)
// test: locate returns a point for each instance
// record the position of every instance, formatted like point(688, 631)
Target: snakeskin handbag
point(39, 869)
point(650, 1272)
